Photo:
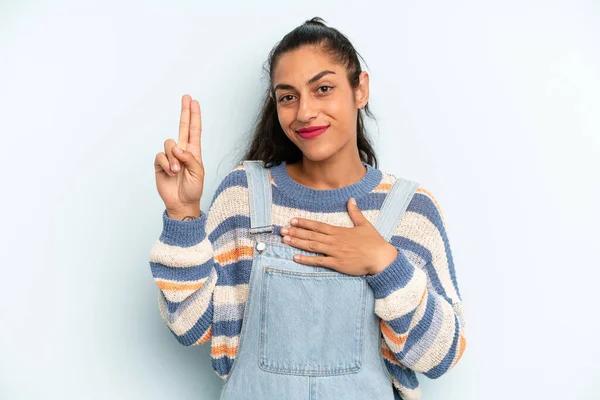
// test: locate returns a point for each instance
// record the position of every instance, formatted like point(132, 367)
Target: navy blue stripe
point(222, 364)
point(372, 201)
point(229, 224)
point(227, 328)
point(405, 376)
point(234, 274)
point(160, 271)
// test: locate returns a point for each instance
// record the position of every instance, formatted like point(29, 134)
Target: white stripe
point(230, 294)
point(233, 200)
point(181, 257)
point(403, 300)
point(228, 341)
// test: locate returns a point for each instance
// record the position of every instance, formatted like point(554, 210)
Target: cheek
point(286, 118)
point(344, 115)
point(286, 115)
point(340, 109)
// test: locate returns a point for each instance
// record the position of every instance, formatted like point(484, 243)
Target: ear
point(362, 91)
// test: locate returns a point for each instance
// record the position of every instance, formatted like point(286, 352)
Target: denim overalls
point(308, 333)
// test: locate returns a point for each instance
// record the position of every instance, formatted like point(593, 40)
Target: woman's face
point(311, 90)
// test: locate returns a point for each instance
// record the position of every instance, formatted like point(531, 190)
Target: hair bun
point(316, 21)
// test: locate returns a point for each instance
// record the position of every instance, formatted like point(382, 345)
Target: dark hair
point(269, 143)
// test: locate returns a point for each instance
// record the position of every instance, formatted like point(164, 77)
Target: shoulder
point(423, 201)
point(230, 199)
point(234, 179)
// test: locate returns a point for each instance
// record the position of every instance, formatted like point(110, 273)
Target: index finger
point(316, 226)
point(184, 122)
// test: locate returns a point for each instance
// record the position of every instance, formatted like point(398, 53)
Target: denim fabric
point(308, 332)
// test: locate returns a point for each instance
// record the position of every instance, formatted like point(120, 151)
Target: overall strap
point(395, 204)
point(259, 189)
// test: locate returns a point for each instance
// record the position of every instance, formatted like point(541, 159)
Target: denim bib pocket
point(311, 323)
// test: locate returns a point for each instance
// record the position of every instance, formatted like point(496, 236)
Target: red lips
point(311, 128)
point(311, 132)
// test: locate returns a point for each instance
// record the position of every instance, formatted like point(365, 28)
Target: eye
point(325, 86)
point(281, 99)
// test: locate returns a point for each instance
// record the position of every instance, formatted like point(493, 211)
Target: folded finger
point(161, 163)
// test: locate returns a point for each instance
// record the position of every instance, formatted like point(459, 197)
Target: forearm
point(182, 265)
point(424, 329)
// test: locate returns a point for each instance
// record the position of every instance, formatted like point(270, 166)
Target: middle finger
point(306, 234)
point(184, 122)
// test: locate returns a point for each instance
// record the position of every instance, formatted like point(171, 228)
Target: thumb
point(357, 216)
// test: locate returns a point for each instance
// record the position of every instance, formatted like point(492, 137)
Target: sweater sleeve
point(184, 268)
point(417, 296)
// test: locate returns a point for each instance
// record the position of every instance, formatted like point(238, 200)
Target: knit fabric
point(202, 269)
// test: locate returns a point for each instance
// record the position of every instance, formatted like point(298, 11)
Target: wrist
point(187, 213)
point(387, 256)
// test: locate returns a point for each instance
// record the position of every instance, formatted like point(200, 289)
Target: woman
point(313, 273)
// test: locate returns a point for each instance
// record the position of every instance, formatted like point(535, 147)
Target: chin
point(317, 155)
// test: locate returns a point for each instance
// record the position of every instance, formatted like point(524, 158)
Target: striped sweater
point(202, 270)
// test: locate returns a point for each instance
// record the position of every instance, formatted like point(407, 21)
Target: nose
point(306, 109)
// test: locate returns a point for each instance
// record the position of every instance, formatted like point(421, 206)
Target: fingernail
point(294, 221)
point(175, 167)
point(284, 231)
point(353, 201)
point(178, 150)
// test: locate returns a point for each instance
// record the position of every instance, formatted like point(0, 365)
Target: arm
point(185, 269)
point(417, 296)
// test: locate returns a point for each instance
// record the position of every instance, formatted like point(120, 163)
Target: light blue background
point(498, 103)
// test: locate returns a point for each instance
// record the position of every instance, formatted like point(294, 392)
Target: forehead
point(298, 66)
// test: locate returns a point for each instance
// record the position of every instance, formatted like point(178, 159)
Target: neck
point(332, 173)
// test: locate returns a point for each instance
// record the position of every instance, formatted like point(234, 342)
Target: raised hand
point(179, 169)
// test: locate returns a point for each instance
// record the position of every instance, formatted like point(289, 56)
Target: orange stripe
point(462, 342)
point(219, 351)
point(234, 255)
point(384, 186)
point(179, 285)
point(388, 354)
point(391, 335)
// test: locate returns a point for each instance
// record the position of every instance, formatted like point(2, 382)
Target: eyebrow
point(311, 80)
